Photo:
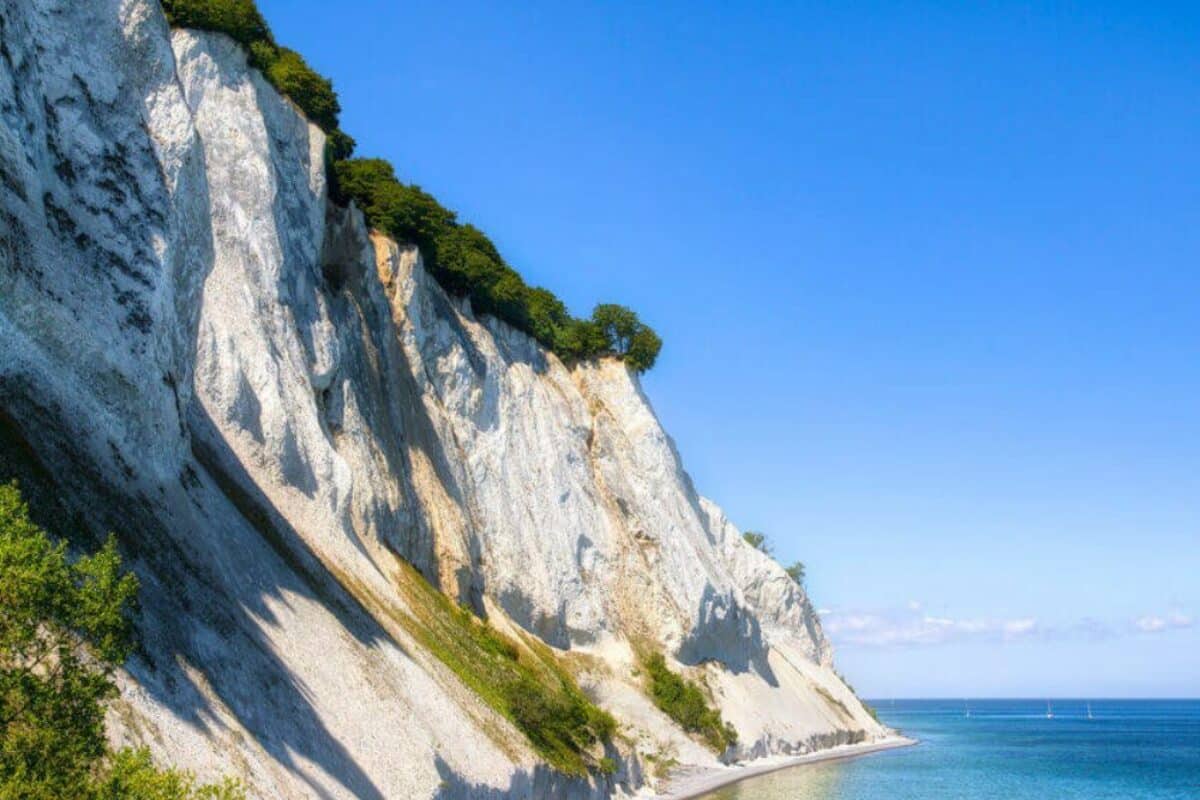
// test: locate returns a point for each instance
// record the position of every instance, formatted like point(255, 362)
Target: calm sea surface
point(1009, 750)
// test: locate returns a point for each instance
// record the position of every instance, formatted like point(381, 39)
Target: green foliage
point(608, 766)
point(402, 210)
point(758, 541)
point(627, 336)
point(559, 721)
point(643, 349)
point(290, 74)
point(64, 631)
point(525, 684)
point(796, 572)
point(618, 324)
point(684, 701)
point(338, 146)
point(661, 763)
point(548, 316)
point(239, 19)
point(578, 339)
point(131, 775)
point(466, 263)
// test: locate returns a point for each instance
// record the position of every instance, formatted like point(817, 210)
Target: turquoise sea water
point(1009, 750)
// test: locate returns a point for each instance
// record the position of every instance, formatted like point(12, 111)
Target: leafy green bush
point(684, 701)
point(758, 541)
point(131, 775)
point(560, 722)
point(288, 72)
point(239, 19)
point(64, 631)
point(796, 572)
point(401, 210)
point(627, 336)
point(643, 349)
point(74, 616)
point(577, 339)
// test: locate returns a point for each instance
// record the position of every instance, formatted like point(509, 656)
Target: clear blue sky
point(927, 275)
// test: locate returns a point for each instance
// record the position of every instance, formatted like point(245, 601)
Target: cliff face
point(276, 410)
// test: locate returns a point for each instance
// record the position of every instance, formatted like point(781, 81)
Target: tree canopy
point(627, 336)
point(239, 19)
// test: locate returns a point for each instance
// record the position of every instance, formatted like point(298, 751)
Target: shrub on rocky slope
point(684, 701)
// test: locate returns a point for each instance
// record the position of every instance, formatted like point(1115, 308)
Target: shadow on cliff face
point(207, 589)
point(78, 434)
point(541, 781)
point(374, 375)
point(727, 633)
point(277, 687)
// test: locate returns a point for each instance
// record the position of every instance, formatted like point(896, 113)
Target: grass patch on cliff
point(685, 702)
point(522, 681)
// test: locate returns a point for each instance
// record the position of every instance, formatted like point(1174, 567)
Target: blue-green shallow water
point(1009, 750)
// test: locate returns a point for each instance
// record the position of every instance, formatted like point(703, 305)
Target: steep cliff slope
point(277, 412)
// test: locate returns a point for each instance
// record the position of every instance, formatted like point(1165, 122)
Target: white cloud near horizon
point(911, 626)
point(1173, 620)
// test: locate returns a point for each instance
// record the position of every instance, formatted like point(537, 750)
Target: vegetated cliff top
point(460, 256)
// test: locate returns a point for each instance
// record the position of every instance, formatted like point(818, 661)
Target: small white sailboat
point(1089, 705)
point(1049, 711)
point(967, 706)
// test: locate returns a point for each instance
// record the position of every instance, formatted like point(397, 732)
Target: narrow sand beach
point(688, 784)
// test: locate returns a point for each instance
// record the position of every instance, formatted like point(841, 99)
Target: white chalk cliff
point(274, 408)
